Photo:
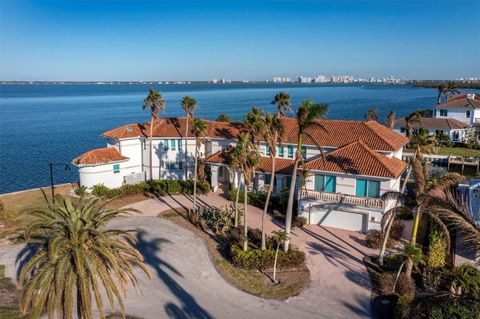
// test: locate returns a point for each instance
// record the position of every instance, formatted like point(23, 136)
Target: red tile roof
point(461, 101)
point(282, 165)
point(328, 133)
point(427, 122)
point(174, 127)
point(358, 158)
point(99, 156)
point(337, 133)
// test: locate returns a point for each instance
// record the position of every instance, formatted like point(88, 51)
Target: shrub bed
point(157, 187)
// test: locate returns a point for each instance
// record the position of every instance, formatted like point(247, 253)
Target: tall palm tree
point(78, 258)
point(440, 90)
point(248, 158)
point(232, 156)
point(390, 122)
point(272, 135)
point(307, 115)
point(412, 120)
point(282, 100)
point(447, 90)
point(372, 114)
point(188, 105)
point(199, 127)
point(424, 141)
point(156, 104)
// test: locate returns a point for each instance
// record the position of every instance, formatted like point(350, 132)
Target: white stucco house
point(463, 107)
point(456, 130)
point(344, 189)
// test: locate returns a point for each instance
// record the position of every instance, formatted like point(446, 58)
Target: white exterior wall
point(103, 174)
point(460, 114)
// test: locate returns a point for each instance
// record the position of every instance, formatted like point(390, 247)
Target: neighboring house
point(456, 130)
point(463, 107)
point(470, 193)
point(344, 189)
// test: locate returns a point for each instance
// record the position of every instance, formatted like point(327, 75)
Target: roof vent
point(470, 95)
point(129, 129)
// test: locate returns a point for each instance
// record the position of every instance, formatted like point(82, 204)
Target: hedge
point(256, 259)
point(158, 187)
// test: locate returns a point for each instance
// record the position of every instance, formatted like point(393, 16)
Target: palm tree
point(188, 105)
point(154, 101)
point(441, 90)
point(78, 257)
point(424, 141)
point(247, 159)
point(412, 255)
point(199, 127)
point(280, 237)
point(272, 135)
point(232, 156)
point(372, 114)
point(412, 120)
point(223, 118)
point(282, 100)
point(447, 90)
point(390, 122)
point(307, 114)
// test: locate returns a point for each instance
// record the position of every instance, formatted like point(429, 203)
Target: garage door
point(341, 219)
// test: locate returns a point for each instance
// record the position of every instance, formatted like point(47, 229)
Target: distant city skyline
point(237, 40)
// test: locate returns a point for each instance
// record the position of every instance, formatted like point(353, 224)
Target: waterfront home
point(457, 131)
point(463, 107)
point(343, 189)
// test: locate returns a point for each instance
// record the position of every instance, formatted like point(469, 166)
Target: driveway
point(185, 283)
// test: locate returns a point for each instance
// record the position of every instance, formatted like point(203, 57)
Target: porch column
point(214, 177)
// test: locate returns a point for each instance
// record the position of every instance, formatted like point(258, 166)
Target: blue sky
point(201, 40)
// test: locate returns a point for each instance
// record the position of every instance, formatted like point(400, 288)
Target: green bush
point(374, 239)
point(256, 199)
point(81, 190)
point(300, 221)
point(396, 230)
point(220, 220)
point(256, 259)
point(100, 190)
point(437, 249)
point(448, 309)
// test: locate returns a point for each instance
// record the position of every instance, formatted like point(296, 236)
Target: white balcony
point(340, 198)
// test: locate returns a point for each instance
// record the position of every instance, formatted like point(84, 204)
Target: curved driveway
point(185, 284)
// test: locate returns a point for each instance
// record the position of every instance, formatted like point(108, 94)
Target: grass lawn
point(30, 198)
point(455, 151)
point(257, 283)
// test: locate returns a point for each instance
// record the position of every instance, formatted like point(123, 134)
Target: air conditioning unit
point(134, 178)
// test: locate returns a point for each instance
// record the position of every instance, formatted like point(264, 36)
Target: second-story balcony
point(376, 203)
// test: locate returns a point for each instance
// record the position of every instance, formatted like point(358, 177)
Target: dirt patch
point(291, 281)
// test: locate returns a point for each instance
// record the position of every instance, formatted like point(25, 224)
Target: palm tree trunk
point(267, 201)
point(408, 271)
point(289, 213)
point(275, 264)
point(396, 278)
point(237, 196)
point(195, 178)
point(185, 161)
point(385, 239)
point(245, 203)
point(415, 225)
point(151, 149)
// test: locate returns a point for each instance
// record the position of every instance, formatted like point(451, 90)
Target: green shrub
point(163, 187)
point(374, 239)
point(100, 190)
point(396, 230)
point(256, 259)
point(219, 220)
point(437, 249)
point(300, 221)
point(81, 190)
point(447, 309)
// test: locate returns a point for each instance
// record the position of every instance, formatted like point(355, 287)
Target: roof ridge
point(379, 136)
point(376, 155)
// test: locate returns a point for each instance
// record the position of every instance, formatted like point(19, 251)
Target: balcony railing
point(344, 199)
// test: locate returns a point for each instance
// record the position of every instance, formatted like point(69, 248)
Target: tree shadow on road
point(188, 307)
